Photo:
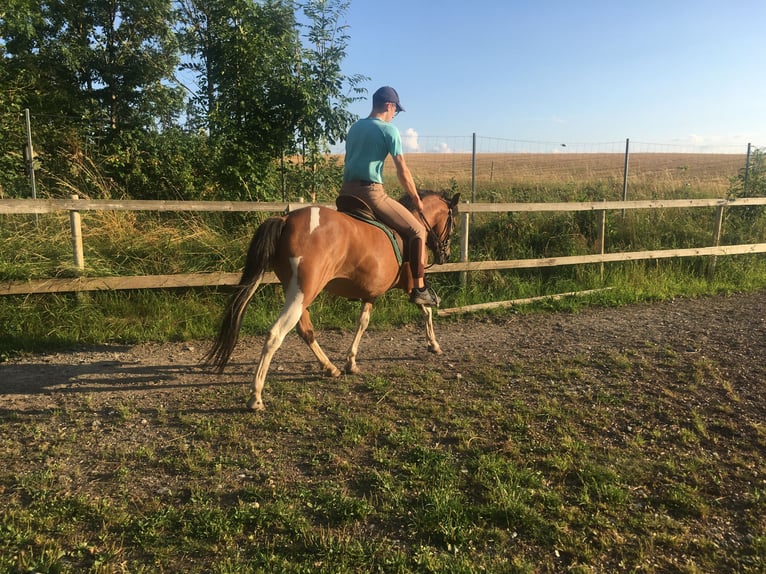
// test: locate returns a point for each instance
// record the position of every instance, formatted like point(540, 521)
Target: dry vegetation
point(705, 174)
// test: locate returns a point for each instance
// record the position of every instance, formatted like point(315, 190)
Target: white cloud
point(713, 143)
point(410, 140)
point(442, 147)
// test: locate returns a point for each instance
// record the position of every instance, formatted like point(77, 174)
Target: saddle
point(358, 209)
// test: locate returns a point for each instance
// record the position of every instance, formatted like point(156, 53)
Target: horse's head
point(440, 218)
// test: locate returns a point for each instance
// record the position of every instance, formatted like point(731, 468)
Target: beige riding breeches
point(386, 209)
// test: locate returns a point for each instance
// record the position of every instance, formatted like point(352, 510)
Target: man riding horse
point(369, 141)
point(317, 248)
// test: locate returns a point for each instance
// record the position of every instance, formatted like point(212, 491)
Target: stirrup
point(425, 297)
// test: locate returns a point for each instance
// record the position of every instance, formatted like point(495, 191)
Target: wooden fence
point(75, 206)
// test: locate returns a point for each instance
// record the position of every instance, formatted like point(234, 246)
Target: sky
point(571, 72)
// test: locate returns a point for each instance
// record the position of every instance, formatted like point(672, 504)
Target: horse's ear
point(455, 200)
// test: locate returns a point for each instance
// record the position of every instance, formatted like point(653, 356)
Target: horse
point(318, 248)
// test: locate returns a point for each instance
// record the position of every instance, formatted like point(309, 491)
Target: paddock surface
point(645, 421)
point(729, 331)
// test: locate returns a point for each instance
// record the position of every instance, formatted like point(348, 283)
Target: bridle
point(440, 245)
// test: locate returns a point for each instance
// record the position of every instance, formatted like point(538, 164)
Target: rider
point(369, 141)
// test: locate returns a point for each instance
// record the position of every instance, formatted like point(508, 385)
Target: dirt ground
point(728, 330)
point(645, 370)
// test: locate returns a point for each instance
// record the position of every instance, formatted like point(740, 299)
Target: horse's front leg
point(364, 321)
point(433, 344)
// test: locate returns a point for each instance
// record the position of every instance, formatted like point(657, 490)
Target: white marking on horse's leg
point(364, 321)
point(314, 221)
point(291, 313)
point(433, 344)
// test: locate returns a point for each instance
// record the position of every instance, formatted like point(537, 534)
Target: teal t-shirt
point(368, 143)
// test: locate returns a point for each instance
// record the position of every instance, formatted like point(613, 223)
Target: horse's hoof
point(333, 372)
point(255, 405)
point(435, 349)
point(353, 370)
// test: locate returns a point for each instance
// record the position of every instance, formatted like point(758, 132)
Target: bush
point(745, 223)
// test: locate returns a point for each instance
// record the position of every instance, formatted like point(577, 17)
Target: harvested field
point(702, 174)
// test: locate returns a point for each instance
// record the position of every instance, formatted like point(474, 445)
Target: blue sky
point(673, 72)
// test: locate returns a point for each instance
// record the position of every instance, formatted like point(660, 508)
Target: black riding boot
point(424, 296)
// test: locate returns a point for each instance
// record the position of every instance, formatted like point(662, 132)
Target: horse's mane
point(406, 200)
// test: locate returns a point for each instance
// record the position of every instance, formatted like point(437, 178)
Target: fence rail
point(25, 206)
point(75, 206)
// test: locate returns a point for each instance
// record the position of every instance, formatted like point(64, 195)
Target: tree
point(100, 80)
point(264, 91)
point(36, 77)
point(13, 181)
point(133, 58)
point(325, 120)
point(327, 90)
point(243, 56)
point(108, 60)
point(99, 77)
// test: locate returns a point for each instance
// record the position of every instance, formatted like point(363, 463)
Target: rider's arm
point(405, 180)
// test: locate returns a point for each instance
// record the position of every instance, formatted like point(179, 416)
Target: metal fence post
point(473, 170)
point(602, 239)
point(625, 173)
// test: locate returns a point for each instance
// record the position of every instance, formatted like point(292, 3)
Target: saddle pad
point(365, 218)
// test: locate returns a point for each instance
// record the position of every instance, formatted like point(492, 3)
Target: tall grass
point(140, 243)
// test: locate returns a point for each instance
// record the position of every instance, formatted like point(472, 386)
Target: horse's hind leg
point(306, 332)
point(287, 319)
point(364, 321)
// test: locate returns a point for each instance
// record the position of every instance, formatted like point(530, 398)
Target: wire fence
point(528, 167)
point(649, 169)
point(416, 143)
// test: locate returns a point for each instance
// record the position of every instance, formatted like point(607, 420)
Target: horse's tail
point(262, 249)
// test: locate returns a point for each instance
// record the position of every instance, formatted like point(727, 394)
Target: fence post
point(29, 156)
point(464, 247)
point(473, 170)
point(602, 239)
point(717, 229)
point(293, 207)
point(625, 173)
point(76, 227)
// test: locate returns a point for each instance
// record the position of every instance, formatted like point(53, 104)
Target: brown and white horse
point(318, 248)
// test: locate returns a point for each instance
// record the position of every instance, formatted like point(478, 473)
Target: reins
point(440, 245)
